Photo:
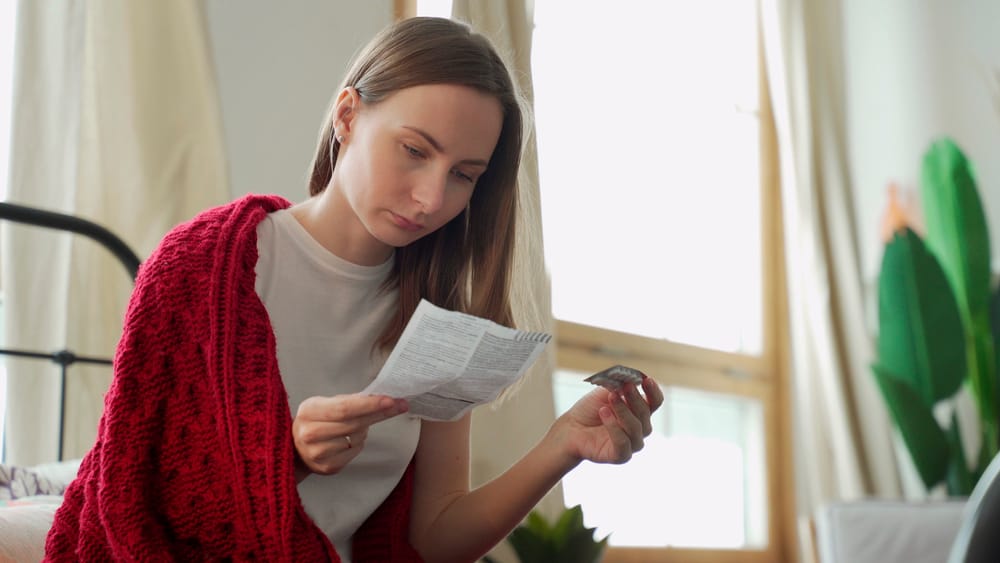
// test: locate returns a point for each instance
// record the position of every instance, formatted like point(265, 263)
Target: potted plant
point(938, 314)
point(566, 541)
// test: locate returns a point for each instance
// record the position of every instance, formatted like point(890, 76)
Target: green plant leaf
point(531, 546)
point(982, 463)
point(991, 431)
point(566, 541)
point(538, 524)
point(921, 338)
point(983, 380)
point(569, 522)
point(959, 479)
point(924, 439)
point(995, 331)
point(582, 547)
point(956, 224)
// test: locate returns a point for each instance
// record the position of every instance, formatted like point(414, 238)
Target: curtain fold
point(45, 124)
point(129, 97)
point(843, 441)
point(503, 434)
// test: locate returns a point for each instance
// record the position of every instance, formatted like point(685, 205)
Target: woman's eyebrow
point(437, 146)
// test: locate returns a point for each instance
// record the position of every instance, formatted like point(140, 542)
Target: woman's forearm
point(476, 521)
point(452, 524)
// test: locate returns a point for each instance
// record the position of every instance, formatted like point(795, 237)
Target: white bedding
point(23, 528)
point(29, 497)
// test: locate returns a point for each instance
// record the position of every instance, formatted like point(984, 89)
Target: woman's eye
point(464, 177)
point(414, 152)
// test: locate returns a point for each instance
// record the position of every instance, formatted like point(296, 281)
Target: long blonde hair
point(466, 264)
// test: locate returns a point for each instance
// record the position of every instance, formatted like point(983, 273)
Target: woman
point(256, 310)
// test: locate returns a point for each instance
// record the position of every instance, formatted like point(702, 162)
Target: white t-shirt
point(326, 312)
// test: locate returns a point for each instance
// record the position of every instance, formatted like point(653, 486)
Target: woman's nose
point(429, 192)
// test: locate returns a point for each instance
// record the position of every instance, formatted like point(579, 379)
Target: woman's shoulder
point(194, 245)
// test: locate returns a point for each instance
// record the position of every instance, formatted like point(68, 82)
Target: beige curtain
point(117, 122)
point(503, 434)
point(45, 122)
point(843, 441)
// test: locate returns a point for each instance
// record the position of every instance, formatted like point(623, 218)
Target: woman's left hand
point(609, 426)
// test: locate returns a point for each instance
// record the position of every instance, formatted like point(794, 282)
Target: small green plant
point(566, 541)
point(938, 316)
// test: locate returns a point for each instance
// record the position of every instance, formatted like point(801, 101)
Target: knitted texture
point(194, 459)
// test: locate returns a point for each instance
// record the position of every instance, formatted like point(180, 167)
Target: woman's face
point(408, 164)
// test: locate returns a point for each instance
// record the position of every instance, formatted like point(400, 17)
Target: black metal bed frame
point(62, 222)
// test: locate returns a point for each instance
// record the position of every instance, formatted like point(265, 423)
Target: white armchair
point(877, 531)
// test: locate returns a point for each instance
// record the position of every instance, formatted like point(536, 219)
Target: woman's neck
point(331, 221)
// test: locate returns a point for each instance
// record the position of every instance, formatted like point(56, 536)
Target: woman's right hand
point(330, 431)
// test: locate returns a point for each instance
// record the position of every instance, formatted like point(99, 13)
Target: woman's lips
point(405, 224)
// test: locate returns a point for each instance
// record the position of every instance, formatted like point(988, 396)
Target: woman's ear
point(345, 109)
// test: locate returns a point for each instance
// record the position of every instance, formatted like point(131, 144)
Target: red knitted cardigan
point(194, 458)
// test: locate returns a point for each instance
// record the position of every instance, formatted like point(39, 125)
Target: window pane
point(436, 8)
point(648, 162)
point(698, 482)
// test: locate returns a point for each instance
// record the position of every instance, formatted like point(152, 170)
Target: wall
point(278, 65)
point(916, 70)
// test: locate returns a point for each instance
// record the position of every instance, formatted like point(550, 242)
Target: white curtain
point(502, 435)
point(843, 441)
point(45, 122)
point(116, 121)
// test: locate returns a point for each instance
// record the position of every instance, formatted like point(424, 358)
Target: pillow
point(61, 472)
point(17, 482)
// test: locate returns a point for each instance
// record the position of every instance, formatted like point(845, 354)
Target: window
point(706, 454)
point(649, 136)
point(435, 8)
point(654, 142)
point(650, 152)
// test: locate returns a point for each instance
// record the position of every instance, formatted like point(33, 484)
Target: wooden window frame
point(402, 9)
